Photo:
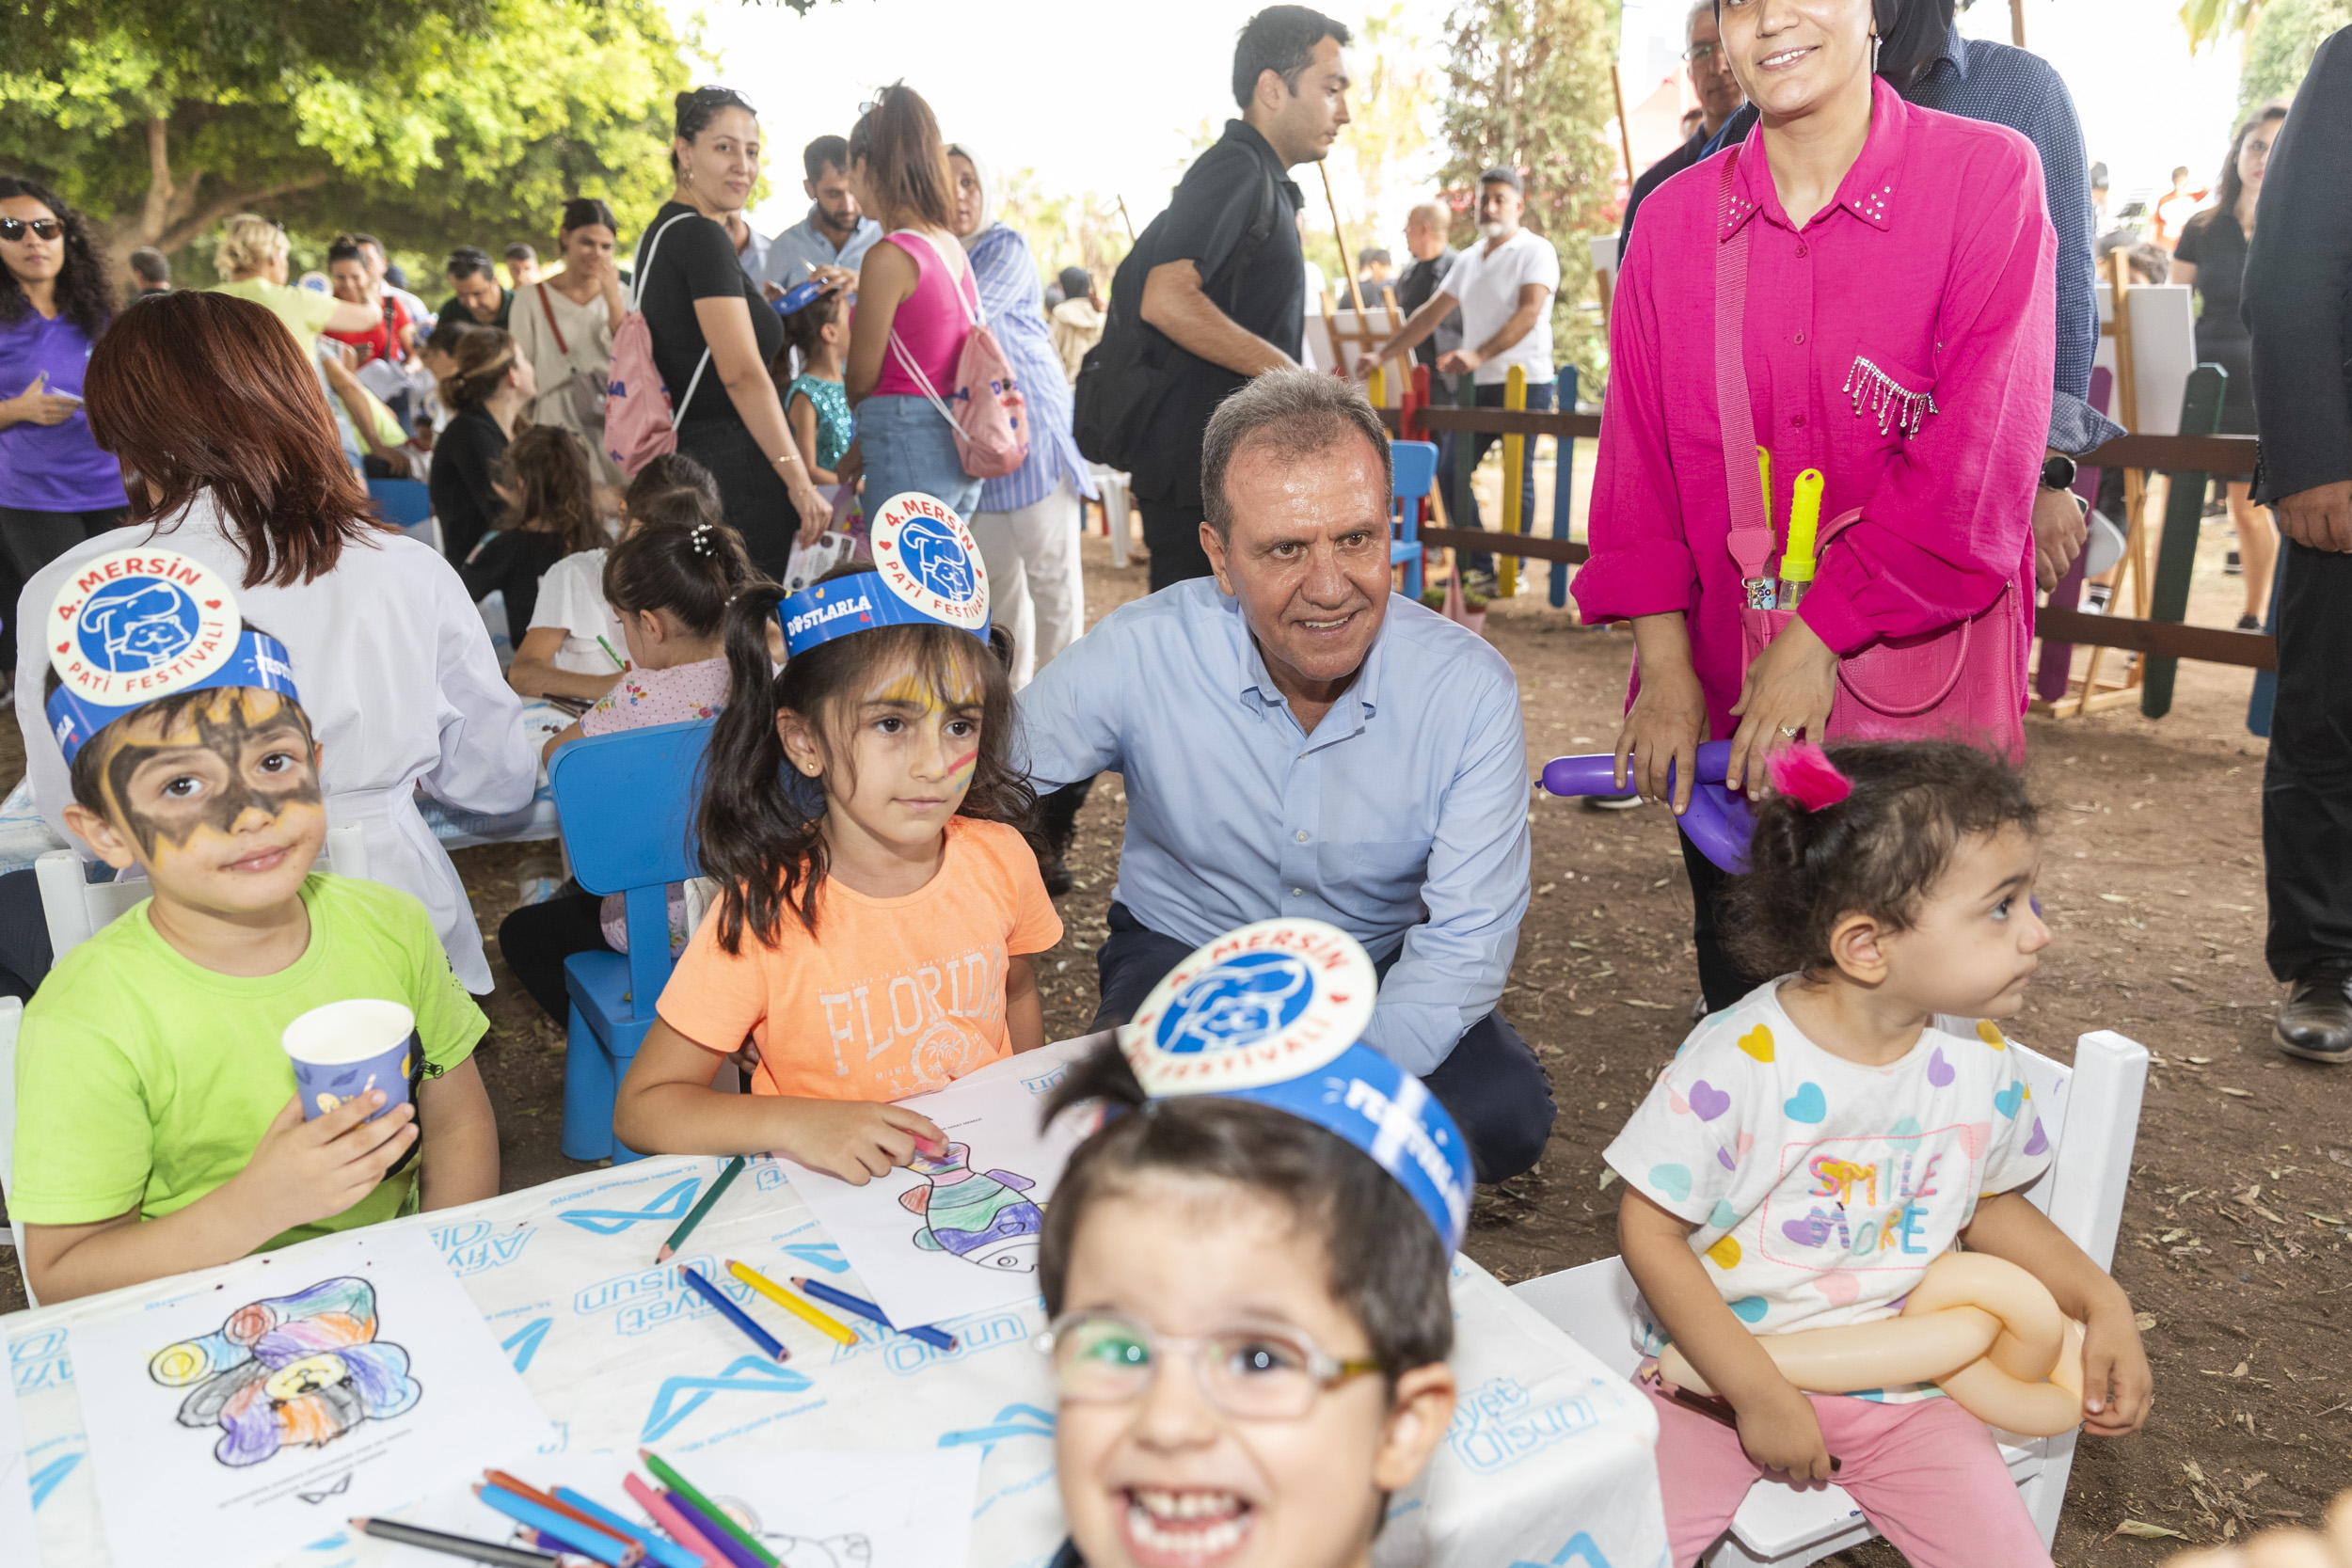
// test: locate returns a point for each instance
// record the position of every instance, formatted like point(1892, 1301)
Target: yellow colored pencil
point(832, 1327)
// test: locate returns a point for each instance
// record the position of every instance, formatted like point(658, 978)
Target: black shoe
point(2249, 622)
point(2317, 1022)
point(2231, 566)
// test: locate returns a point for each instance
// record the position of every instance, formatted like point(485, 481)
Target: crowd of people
point(1871, 263)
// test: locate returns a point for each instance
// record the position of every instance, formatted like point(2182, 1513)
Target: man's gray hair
point(1704, 8)
point(1294, 413)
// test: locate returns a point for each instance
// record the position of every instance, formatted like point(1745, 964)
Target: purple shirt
point(1935, 264)
point(53, 468)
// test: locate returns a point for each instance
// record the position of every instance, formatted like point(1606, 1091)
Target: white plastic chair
point(11, 1018)
point(75, 908)
point(1117, 518)
point(2092, 1115)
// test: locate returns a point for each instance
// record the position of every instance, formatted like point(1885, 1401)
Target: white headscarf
point(985, 173)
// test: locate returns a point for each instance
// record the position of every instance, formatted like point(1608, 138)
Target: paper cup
point(345, 1049)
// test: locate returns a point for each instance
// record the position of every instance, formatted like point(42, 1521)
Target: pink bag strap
point(1750, 537)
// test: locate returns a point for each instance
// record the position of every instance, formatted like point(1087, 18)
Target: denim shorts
point(909, 445)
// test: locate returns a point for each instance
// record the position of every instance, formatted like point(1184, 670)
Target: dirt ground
point(2241, 1198)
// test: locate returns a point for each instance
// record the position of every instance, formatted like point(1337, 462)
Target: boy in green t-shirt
point(157, 1127)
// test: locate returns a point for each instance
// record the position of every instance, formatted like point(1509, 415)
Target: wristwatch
point(2057, 472)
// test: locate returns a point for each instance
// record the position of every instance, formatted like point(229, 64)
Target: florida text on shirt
point(936, 1019)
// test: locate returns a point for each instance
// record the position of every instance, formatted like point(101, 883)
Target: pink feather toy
point(1804, 774)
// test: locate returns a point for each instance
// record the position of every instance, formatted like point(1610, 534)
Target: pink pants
point(1927, 1474)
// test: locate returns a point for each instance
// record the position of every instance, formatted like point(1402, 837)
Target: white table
point(1547, 1465)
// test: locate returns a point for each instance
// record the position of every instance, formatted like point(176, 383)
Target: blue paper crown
point(136, 624)
point(926, 573)
point(1274, 1013)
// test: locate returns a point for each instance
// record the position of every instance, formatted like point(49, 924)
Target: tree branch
point(229, 201)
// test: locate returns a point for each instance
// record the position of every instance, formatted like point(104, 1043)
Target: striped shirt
point(1013, 302)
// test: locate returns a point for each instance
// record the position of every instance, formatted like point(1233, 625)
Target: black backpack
point(1122, 379)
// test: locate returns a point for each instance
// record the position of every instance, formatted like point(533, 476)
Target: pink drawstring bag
point(990, 416)
point(639, 423)
point(1962, 682)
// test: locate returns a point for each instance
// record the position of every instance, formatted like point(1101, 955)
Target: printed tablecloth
point(1548, 1464)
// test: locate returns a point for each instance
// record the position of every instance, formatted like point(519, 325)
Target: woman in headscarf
point(1028, 523)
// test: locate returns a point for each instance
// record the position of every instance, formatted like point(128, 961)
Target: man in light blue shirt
point(834, 233)
point(1297, 740)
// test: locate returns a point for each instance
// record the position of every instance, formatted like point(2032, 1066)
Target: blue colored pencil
point(658, 1547)
point(735, 1314)
point(714, 1531)
point(868, 1310)
point(547, 1540)
point(580, 1539)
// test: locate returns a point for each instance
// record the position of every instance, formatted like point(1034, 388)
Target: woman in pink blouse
point(1898, 336)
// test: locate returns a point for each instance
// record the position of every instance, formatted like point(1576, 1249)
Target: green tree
point(431, 123)
point(1083, 231)
point(2279, 45)
point(1529, 86)
point(2208, 22)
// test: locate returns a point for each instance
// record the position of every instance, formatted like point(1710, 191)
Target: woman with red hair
point(222, 421)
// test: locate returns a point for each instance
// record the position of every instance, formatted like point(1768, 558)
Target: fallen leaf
point(1546, 888)
point(2143, 1321)
point(2143, 1530)
point(2240, 1370)
point(2242, 1094)
point(1637, 1001)
point(1607, 1176)
point(2324, 1219)
point(2200, 1061)
point(2178, 983)
point(2340, 1157)
point(1585, 1012)
point(2115, 899)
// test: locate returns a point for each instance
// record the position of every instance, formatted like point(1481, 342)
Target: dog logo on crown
point(1241, 1000)
point(138, 625)
point(936, 557)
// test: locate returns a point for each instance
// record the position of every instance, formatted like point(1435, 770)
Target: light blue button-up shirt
point(1401, 819)
point(792, 255)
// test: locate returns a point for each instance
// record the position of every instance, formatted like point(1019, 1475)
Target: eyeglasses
point(12, 230)
point(1250, 1370)
point(1699, 53)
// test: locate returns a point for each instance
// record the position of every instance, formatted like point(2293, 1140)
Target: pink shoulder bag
point(1962, 682)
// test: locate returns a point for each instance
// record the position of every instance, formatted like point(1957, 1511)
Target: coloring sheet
point(958, 1234)
point(829, 1508)
point(16, 1495)
point(240, 1419)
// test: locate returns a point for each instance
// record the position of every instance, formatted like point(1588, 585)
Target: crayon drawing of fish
point(981, 1217)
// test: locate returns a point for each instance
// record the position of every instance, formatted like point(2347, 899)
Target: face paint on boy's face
point(236, 753)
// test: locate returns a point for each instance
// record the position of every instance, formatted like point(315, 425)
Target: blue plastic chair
point(405, 503)
point(627, 805)
point(1416, 465)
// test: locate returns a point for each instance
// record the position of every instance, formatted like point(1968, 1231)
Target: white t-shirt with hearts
point(1822, 1189)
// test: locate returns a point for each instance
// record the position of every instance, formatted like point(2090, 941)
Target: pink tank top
point(932, 322)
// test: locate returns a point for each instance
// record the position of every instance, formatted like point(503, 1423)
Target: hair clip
point(1805, 775)
point(700, 538)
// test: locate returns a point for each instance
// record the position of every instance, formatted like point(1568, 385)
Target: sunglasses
point(12, 230)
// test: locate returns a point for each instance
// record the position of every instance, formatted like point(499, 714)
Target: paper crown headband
point(1273, 1013)
point(926, 573)
point(134, 625)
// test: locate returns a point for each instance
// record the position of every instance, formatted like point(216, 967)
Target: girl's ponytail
point(759, 833)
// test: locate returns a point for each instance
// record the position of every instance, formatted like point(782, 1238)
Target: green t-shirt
point(304, 311)
point(144, 1080)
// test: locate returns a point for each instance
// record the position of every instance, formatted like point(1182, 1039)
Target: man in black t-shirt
point(480, 297)
point(1225, 291)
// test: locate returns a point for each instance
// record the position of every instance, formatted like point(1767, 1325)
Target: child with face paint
point(1245, 1268)
point(157, 1127)
point(671, 587)
point(878, 904)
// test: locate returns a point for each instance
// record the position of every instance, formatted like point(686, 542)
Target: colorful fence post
point(2176, 553)
point(1563, 481)
point(1514, 454)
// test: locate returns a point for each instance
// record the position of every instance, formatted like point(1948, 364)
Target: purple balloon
point(1595, 773)
point(1718, 821)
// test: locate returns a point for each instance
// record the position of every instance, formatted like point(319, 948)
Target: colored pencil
point(547, 1540)
point(734, 1314)
point(715, 1531)
point(493, 1552)
point(530, 1493)
point(866, 1309)
point(823, 1323)
point(670, 1519)
point(669, 1553)
point(590, 1542)
point(618, 662)
point(695, 1215)
point(687, 1490)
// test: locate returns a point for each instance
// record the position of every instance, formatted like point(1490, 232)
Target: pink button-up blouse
point(1900, 342)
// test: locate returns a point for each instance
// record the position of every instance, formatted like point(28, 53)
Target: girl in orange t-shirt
point(880, 906)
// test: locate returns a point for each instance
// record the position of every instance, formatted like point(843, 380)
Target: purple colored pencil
point(712, 1531)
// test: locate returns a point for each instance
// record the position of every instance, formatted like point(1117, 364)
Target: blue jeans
point(1539, 395)
point(910, 446)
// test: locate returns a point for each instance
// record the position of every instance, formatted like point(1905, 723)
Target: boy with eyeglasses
point(1246, 1268)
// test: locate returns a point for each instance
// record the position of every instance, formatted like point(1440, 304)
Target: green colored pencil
point(695, 1215)
point(718, 1516)
point(618, 662)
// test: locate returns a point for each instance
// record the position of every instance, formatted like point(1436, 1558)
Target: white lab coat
point(397, 676)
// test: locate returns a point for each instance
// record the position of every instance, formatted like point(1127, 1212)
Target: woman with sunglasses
point(56, 487)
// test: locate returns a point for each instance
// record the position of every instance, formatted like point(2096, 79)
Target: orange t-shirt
point(892, 996)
